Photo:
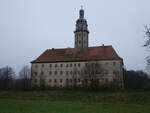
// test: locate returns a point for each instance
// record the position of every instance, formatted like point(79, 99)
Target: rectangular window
point(85, 72)
point(66, 65)
point(61, 65)
point(75, 80)
point(114, 63)
point(61, 72)
point(86, 80)
point(67, 80)
point(106, 63)
point(42, 73)
point(114, 72)
point(60, 80)
point(50, 80)
point(50, 72)
point(70, 65)
point(55, 65)
point(93, 64)
point(78, 64)
point(78, 80)
point(114, 79)
point(66, 72)
point(79, 72)
point(55, 80)
point(86, 65)
point(50, 65)
point(97, 72)
point(74, 65)
point(35, 73)
point(35, 80)
point(55, 72)
point(42, 65)
point(106, 71)
point(75, 72)
point(70, 72)
point(106, 80)
point(70, 80)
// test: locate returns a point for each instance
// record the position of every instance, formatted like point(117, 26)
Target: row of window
point(61, 65)
point(80, 34)
point(73, 80)
point(75, 65)
point(75, 72)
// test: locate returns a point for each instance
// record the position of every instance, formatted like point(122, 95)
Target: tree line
point(10, 81)
point(136, 80)
point(133, 80)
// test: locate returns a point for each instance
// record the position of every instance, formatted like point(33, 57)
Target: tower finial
point(81, 6)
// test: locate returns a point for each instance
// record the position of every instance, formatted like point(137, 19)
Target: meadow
point(64, 101)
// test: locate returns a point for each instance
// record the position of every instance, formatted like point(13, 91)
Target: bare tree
point(91, 74)
point(136, 80)
point(147, 35)
point(116, 83)
point(6, 77)
point(147, 45)
point(42, 82)
point(74, 78)
point(25, 75)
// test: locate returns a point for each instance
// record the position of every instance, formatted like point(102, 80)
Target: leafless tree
point(74, 77)
point(42, 81)
point(147, 35)
point(25, 75)
point(6, 77)
point(147, 45)
point(116, 83)
point(91, 74)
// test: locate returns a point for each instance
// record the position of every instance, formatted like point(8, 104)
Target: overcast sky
point(29, 27)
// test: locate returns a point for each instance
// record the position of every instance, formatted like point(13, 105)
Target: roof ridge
point(76, 48)
point(73, 54)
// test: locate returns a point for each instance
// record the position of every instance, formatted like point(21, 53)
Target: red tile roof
point(74, 54)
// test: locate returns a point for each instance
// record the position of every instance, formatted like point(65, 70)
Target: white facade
point(62, 74)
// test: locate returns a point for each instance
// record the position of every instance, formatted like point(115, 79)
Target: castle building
point(78, 66)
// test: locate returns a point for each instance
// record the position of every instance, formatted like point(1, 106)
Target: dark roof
point(74, 54)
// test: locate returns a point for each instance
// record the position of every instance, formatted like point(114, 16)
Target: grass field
point(74, 102)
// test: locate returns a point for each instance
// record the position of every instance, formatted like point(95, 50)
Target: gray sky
point(29, 27)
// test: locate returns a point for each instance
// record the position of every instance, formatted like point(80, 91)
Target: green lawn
point(74, 102)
